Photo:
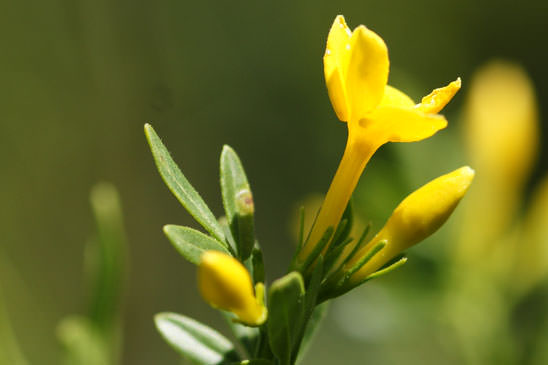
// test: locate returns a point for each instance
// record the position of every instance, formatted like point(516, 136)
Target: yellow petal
point(335, 60)
point(225, 284)
point(418, 216)
point(437, 99)
point(367, 72)
point(392, 124)
point(395, 97)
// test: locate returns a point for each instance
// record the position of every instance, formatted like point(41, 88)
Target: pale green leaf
point(180, 187)
point(192, 243)
point(195, 340)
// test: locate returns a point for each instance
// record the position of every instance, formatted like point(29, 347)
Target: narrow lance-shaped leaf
point(180, 187)
point(286, 306)
point(106, 259)
point(195, 340)
point(192, 243)
point(237, 201)
point(311, 329)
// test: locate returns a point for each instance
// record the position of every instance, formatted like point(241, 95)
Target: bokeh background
point(80, 78)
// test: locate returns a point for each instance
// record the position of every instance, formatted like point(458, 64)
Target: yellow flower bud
point(225, 284)
point(418, 216)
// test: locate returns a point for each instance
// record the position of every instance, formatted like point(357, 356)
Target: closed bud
point(225, 284)
point(418, 216)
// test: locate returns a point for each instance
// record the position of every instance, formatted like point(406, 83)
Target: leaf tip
point(167, 228)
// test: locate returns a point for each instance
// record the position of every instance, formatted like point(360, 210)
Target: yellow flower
point(356, 73)
point(418, 216)
point(225, 284)
point(501, 133)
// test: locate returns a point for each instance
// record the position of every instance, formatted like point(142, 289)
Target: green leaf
point(192, 243)
point(106, 259)
point(314, 286)
point(253, 362)
point(180, 187)
point(237, 201)
point(286, 307)
point(195, 340)
point(233, 179)
point(82, 342)
point(311, 329)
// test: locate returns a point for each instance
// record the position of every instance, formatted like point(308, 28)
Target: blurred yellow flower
point(356, 73)
point(418, 216)
point(225, 284)
point(501, 134)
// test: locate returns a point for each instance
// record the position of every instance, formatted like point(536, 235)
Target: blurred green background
point(80, 78)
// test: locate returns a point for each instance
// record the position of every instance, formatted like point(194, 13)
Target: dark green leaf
point(314, 286)
point(180, 187)
point(192, 243)
point(258, 265)
point(195, 340)
point(237, 201)
point(253, 362)
point(285, 306)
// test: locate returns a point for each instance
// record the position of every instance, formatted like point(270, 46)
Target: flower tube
point(356, 73)
point(225, 284)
